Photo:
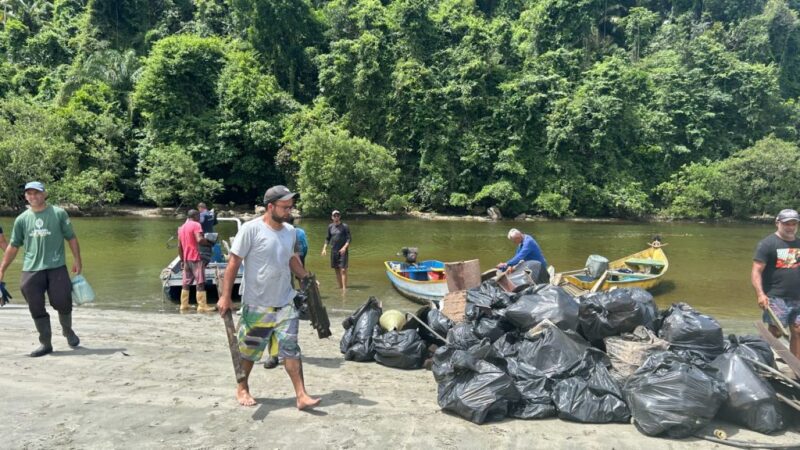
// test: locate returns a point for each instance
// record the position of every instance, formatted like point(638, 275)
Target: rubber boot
point(45, 335)
point(185, 300)
point(66, 329)
point(202, 303)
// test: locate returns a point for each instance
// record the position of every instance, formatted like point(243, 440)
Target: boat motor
point(410, 254)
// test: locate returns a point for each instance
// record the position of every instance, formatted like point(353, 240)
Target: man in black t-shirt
point(776, 276)
point(339, 238)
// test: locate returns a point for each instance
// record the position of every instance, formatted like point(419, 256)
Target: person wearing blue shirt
point(301, 242)
point(527, 250)
point(207, 218)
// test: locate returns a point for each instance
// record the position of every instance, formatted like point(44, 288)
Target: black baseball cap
point(787, 215)
point(279, 192)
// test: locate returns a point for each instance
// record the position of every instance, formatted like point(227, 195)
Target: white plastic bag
point(82, 292)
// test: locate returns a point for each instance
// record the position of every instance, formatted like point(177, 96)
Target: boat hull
point(172, 280)
point(422, 292)
point(649, 267)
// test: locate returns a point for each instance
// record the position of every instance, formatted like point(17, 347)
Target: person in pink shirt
point(190, 236)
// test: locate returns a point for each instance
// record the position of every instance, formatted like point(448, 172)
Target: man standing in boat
point(339, 239)
point(269, 319)
point(527, 250)
point(42, 230)
point(776, 276)
point(190, 238)
point(212, 251)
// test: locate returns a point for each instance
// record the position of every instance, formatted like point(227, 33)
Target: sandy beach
point(148, 380)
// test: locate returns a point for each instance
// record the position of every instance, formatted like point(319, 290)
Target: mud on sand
point(149, 380)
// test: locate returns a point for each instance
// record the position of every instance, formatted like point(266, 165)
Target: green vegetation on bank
point(680, 108)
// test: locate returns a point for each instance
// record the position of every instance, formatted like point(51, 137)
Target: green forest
point(597, 108)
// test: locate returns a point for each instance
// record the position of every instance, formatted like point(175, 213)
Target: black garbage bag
point(649, 309)
point(536, 362)
point(535, 392)
point(491, 328)
point(483, 350)
point(489, 295)
point(548, 302)
point(604, 314)
point(507, 345)
point(751, 400)
point(461, 336)
point(752, 347)
point(589, 394)
point(360, 329)
point(670, 396)
point(687, 330)
point(439, 322)
point(551, 350)
point(478, 297)
point(400, 349)
point(473, 388)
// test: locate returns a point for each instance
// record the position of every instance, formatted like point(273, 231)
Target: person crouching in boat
point(527, 250)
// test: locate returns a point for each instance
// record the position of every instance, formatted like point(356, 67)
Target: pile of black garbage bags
point(409, 348)
point(603, 357)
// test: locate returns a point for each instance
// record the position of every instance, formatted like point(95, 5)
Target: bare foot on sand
point(244, 397)
point(306, 402)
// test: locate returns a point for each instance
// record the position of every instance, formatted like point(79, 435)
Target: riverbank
point(245, 212)
point(148, 380)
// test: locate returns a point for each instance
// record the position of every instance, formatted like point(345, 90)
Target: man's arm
point(755, 280)
point(347, 240)
point(224, 302)
point(518, 256)
point(3, 243)
point(327, 239)
point(77, 264)
point(8, 258)
point(200, 238)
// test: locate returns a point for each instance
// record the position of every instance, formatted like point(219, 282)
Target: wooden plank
point(779, 347)
point(462, 275)
point(453, 305)
point(233, 346)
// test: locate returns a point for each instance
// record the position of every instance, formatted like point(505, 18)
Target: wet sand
point(148, 380)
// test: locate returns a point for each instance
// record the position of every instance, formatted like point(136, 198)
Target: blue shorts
point(787, 311)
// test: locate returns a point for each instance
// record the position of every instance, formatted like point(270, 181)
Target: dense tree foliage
point(557, 107)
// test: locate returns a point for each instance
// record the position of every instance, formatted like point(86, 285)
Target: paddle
point(776, 322)
point(600, 282)
point(427, 327)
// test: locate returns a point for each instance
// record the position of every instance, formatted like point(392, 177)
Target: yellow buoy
point(392, 320)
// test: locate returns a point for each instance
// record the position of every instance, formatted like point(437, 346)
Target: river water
point(709, 263)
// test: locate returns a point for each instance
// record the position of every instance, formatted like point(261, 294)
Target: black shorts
point(339, 261)
point(53, 282)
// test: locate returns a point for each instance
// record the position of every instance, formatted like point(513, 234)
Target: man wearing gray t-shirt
point(269, 320)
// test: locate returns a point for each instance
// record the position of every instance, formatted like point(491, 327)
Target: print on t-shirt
point(788, 258)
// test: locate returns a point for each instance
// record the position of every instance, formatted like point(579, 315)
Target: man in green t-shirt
point(42, 230)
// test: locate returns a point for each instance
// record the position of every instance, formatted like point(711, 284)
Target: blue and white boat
point(422, 282)
point(172, 275)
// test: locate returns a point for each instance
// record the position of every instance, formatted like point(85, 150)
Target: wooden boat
point(422, 282)
point(644, 269)
point(172, 275)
